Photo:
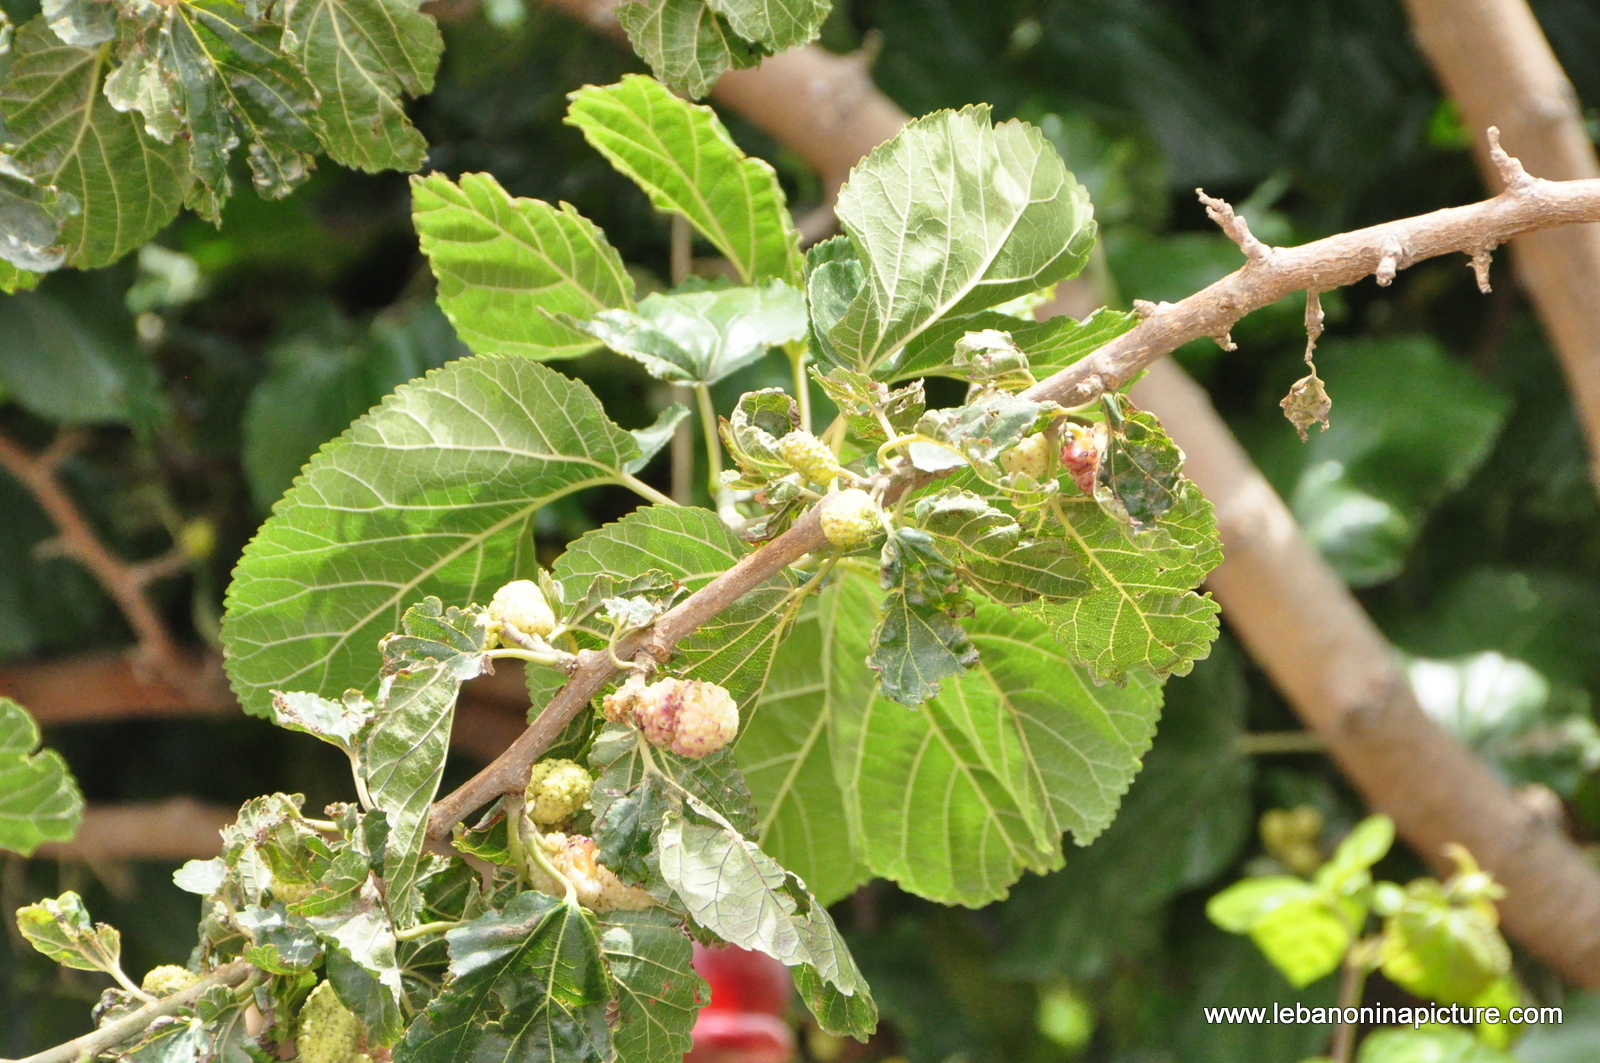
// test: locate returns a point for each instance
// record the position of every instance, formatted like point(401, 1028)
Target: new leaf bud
point(809, 456)
point(849, 518)
point(520, 604)
point(557, 788)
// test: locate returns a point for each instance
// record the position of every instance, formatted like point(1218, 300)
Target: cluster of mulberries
point(810, 457)
point(520, 604)
point(597, 886)
point(557, 789)
point(849, 518)
point(329, 1032)
point(688, 717)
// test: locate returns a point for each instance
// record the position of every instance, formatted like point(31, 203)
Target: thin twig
point(112, 1034)
point(124, 581)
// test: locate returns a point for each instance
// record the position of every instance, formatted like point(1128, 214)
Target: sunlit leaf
point(39, 799)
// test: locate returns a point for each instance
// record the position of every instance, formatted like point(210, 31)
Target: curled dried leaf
point(1307, 404)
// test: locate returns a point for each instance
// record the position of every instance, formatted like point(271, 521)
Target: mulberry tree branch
point(125, 582)
point(1273, 274)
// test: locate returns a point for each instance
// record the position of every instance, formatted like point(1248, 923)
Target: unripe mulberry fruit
point(520, 604)
point(809, 456)
point(291, 892)
point(329, 1032)
point(556, 789)
point(167, 979)
point(597, 886)
point(1031, 456)
point(1080, 455)
point(849, 518)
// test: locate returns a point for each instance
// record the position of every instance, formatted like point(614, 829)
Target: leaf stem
point(639, 487)
point(554, 660)
point(798, 357)
point(708, 426)
point(424, 929)
point(1352, 983)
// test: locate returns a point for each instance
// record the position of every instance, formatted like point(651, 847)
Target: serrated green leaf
point(955, 799)
point(714, 779)
point(777, 26)
point(918, 643)
point(835, 277)
point(860, 399)
point(687, 45)
point(284, 944)
point(81, 23)
point(434, 492)
point(60, 928)
point(701, 337)
point(682, 156)
point(1350, 867)
point(363, 56)
point(507, 265)
point(127, 184)
point(981, 429)
point(1295, 924)
point(336, 722)
point(1444, 951)
point(347, 913)
point(39, 799)
point(751, 432)
point(1141, 612)
point(529, 984)
point(658, 991)
point(403, 751)
point(692, 546)
point(744, 897)
point(952, 216)
point(786, 754)
point(234, 85)
point(13, 279)
point(1439, 1044)
point(853, 1015)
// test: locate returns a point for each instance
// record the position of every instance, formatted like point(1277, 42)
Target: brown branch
point(1494, 60)
point(1338, 260)
point(114, 1033)
point(1311, 636)
point(125, 582)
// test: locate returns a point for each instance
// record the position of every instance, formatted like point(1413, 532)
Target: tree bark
point(1494, 61)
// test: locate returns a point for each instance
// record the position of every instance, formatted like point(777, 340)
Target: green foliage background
point(1451, 491)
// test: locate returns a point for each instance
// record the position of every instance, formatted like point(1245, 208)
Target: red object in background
point(743, 1023)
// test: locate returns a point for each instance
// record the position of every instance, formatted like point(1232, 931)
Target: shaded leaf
point(682, 156)
point(988, 550)
point(1141, 467)
point(775, 25)
point(853, 1015)
point(658, 991)
point(508, 266)
point(918, 643)
point(687, 45)
point(1439, 1044)
point(653, 440)
point(39, 799)
point(1050, 345)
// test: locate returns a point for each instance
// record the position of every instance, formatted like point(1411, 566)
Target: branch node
point(1314, 318)
point(1236, 227)
point(1480, 268)
point(1517, 180)
point(1393, 258)
point(1144, 307)
point(1225, 341)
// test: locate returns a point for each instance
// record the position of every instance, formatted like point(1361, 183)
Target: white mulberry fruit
point(1031, 456)
point(329, 1032)
point(597, 886)
point(849, 518)
point(167, 979)
point(689, 717)
point(810, 457)
point(1080, 455)
point(556, 789)
point(520, 604)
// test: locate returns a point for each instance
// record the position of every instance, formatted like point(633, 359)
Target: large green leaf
point(127, 184)
point(682, 156)
point(1142, 612)
point(692, 546)
point(39, 799)
point(529, 985)
point(1050, 345)
point(786, 753)
point(952, 216)
point(705, 335)
point(658, 991)
point(434, 492)
point(362, 55)
point(687, 44)
point(70, 359)
point(506, 265)
point(954, 800)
